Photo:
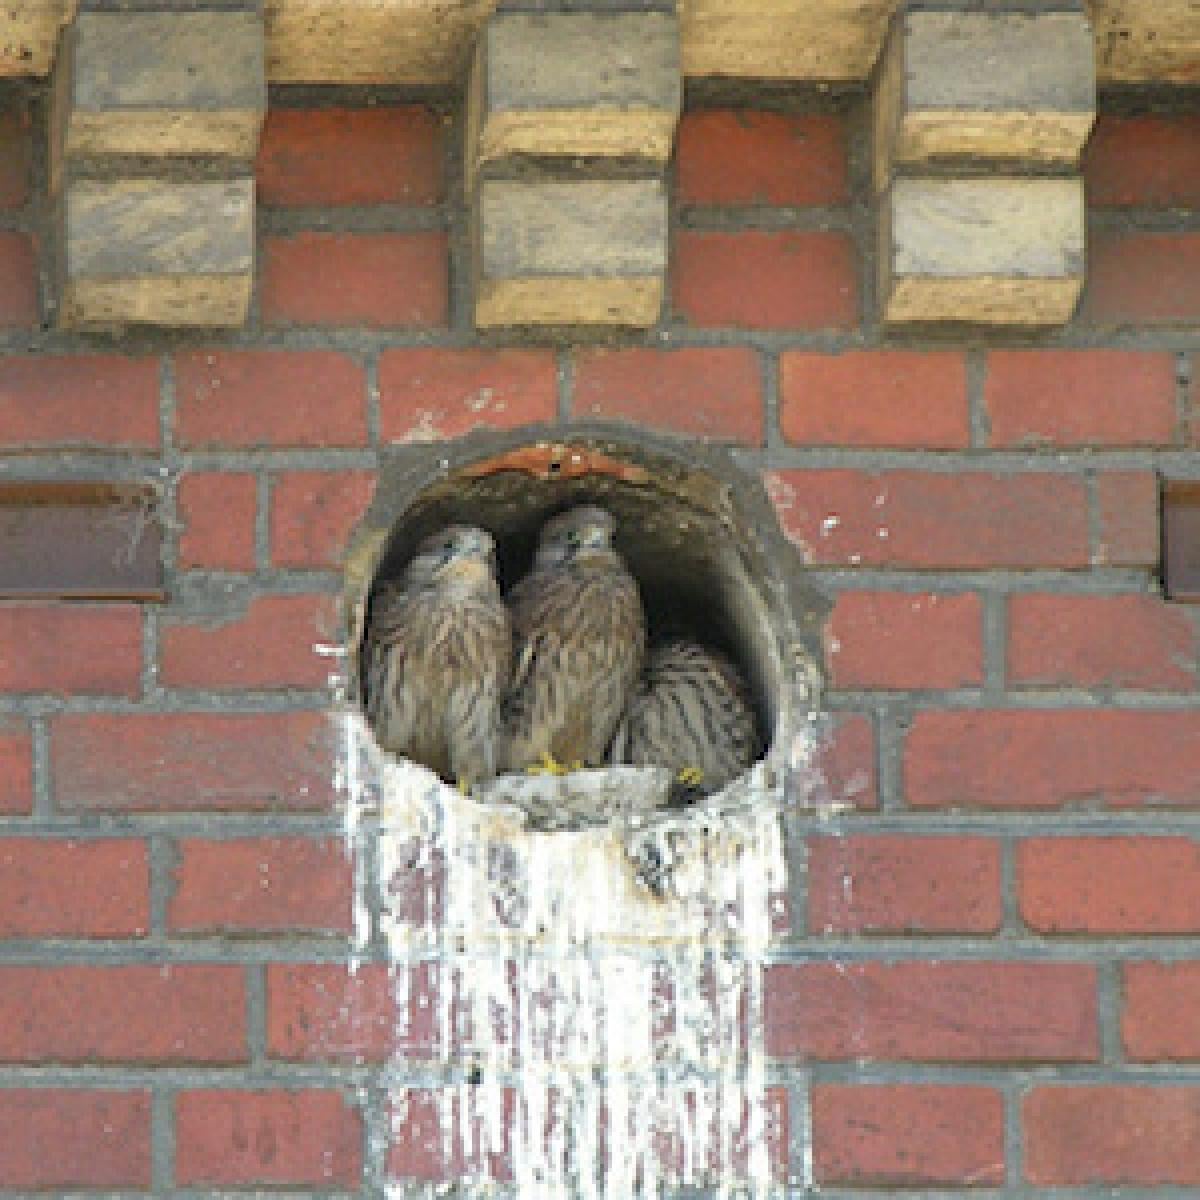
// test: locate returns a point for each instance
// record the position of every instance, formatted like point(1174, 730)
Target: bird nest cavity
point(696, 530)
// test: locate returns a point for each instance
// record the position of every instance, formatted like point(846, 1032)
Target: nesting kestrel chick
point(579, 639)
point(690, 712)
point(438, 657)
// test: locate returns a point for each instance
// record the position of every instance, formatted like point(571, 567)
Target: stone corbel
point(980, 117)
point(571, 118)
point(155, 119)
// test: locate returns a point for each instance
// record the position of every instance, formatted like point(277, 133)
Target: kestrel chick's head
point(458, 552)
point(579, 534)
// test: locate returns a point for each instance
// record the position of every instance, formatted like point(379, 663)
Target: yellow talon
point(547, 764)
point(464, 786)
point(577, 765)
point(691, 776)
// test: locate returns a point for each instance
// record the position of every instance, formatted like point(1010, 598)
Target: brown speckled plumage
point(438, 657)
point(580, 636)
point(691, 710)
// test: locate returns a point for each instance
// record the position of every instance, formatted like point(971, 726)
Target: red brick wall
point(992, 977)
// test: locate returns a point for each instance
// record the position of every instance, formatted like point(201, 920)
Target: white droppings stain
point(829, 524)
point(605, 1042)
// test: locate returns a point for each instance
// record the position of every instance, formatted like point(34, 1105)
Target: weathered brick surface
point(73, 889)
point(71, 649)
point(905, 640)
point(1145, 161)
point(908, 1135)
point(1080, 398)
point(1053, 759)
point(18, 268)
point(373, 280)
point(425, 394)
point(895, 884)
point(933, 1012)
point(262, 885)
point(313, 514)
point(267, 1138)
point(16, 768)
point(337, 157)
point(1148, 1136)
point(1160, 1014)
point(846, 763)
point(868, 398)
point(934, 521)
point(257, 398)
point(1127, 504)
point(217, 511)
point(56, 1139)
point(57, 402)
point(1114, 885)
point(330, 1013)
point(710, 393)
point(147, 762)
point(122, 1014)
point(782, 159)
point(1132, 641)
point(1143, 279)
point(273, 644)
point(973, 904)
point(760, 280)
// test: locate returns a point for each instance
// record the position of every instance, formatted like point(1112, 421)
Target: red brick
point(18, 282)
point(328, 1013)
point(135, 1014)
point(67, 649)
point(908, 1135)
point(267, 1138)
point(267, 885)
point(1146, 161)
point(217, 511)
point(1143, 279)
point(844, 774)
point(905, 640)
point(421, 1150)
point(1118, 885)
point(330, 157)
point(180, 761)
point(269, 645)
point(903, 398)
point(1134, 641)
point(375, 280)
point(16, 769)
point(1039, 759)
point(428, 395)
point(744, 157)
point(925, 520)
point(895, 884)
point(1160, 1020)
point(73, 889)
point(59, 1139)
point(1127, 502)
point(269, 398)
point(16, 145)
point(1080, 398)
point(81, 401)
point(313, 514)
point(766, 280)
point(1112, 1135)
point(933, 1012)
point(713, 393)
